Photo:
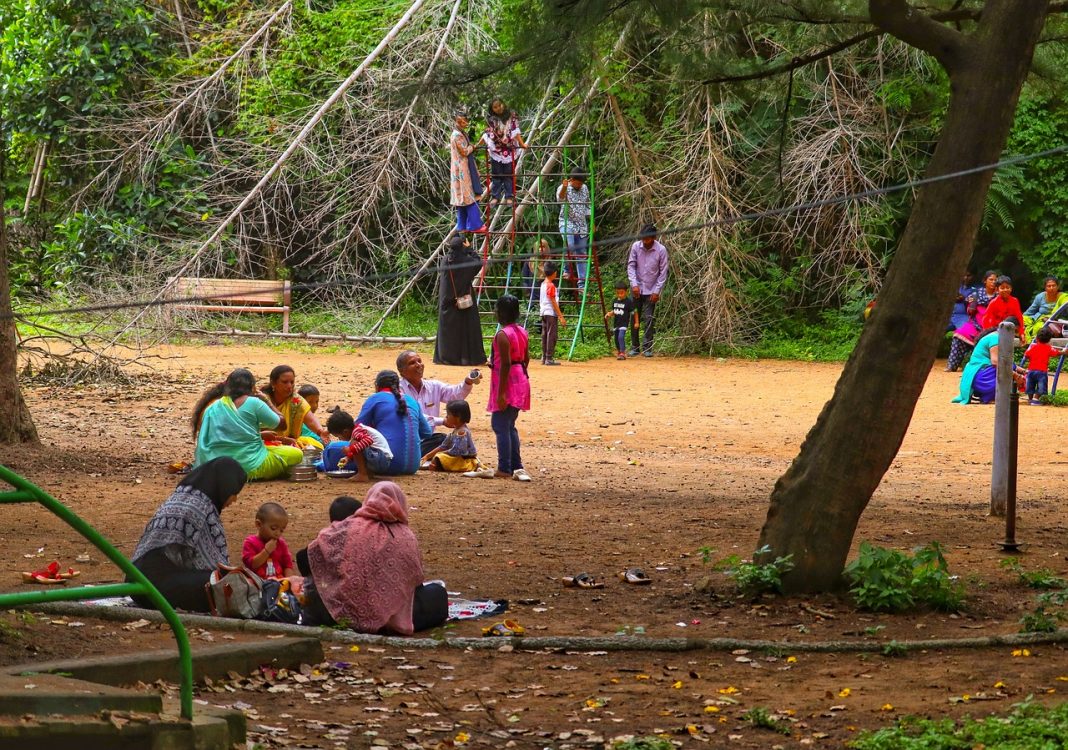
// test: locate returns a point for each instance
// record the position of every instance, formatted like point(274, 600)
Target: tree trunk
point(816, 505)
point(16, 424)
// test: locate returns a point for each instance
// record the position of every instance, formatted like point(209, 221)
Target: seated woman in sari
point(367, 572)
point(296, 411)
point(965, 292)
point(1043, 306)
point(184, 541)
point(965, 336)
point(227, 422)
point(979, 377)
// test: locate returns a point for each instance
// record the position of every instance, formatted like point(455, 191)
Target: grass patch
point(1030, 726)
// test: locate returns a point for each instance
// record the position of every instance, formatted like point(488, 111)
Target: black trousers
point(430, 606)
point(183, 589)
point(646, 310)
point(431, 443)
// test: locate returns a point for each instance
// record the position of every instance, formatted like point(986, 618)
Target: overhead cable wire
point(615, 240)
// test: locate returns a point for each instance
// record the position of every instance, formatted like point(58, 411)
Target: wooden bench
point(233, 295)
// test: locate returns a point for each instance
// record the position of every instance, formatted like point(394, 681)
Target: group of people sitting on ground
point(393, 434)
point(363, 570)
point(984, 306)
point(977, 313)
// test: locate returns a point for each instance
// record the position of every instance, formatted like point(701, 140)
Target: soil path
point(636, 463)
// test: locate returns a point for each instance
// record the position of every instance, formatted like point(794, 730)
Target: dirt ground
point(636, 463)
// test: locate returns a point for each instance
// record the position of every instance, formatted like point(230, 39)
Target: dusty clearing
point(636, 463)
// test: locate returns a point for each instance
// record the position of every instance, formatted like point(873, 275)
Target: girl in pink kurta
point(509, 387)
point(461, 189)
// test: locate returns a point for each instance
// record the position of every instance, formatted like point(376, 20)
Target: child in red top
point(1038, 356)
point(266, 553)
point(1004, 306)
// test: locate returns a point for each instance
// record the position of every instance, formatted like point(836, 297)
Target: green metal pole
point(139, 585)
point(589, 253)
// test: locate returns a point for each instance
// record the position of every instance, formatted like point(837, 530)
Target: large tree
point(817, 503)
point(16, 424)
point(986, 50)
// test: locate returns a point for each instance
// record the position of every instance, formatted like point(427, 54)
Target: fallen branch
point(172, 115)
point(284, 157)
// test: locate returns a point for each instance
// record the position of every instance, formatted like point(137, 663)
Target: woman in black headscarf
point(459, 340)
point(185, 541)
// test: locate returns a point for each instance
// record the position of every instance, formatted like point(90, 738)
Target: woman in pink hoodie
point(367, 572)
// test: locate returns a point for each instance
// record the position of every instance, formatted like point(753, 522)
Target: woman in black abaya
point(459, 340)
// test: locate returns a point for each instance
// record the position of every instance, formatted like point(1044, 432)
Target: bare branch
point(800, 61)
point(900, 19)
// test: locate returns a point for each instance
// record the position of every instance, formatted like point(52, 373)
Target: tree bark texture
point(16, 424)
point(816, 505)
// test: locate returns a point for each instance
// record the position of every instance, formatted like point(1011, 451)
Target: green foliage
point(755, 577)
point(1039, 208)
point(309, 65)
point(893, 648)
point(1030, 726)
point(761, 718)
point(650, 742)
point(1060, 398)
point(886, 580)
point(1048, 612)
point(61, 59)
point(1040, 578)
point(1040, 621)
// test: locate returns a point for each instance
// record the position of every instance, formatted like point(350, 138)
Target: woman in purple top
point(509, 387)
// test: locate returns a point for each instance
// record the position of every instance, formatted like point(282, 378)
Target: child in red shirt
point(1003, 307)
point(266, 553)
point(1038, 356)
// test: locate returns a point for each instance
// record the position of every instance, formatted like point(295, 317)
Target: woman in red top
point(1004, 306)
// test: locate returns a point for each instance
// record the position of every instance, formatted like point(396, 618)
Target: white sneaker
point(520, 475)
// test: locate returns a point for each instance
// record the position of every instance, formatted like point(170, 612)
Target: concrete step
point(210, 661)
point(49, 694)
point(116, 730)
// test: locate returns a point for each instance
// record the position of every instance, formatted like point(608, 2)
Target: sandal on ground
point(503, 629)
point(481, 473)
point(50, 574)
point(635, 576)
point(583, 581)
point(520, 475)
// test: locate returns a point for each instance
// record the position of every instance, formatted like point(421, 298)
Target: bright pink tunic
point(518, 392)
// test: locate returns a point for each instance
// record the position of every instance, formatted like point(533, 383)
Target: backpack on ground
point(235, 592)
point(280, 604)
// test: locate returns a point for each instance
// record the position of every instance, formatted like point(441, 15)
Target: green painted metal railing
point(27, 492)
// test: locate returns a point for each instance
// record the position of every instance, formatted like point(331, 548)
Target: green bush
point(1040, 578)
point(758, 576)
point(886, 580)
point(761, 718)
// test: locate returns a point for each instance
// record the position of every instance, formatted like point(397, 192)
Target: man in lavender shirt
point(429, 394)
point(647, 270)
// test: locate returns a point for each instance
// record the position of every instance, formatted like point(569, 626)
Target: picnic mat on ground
point(467, 609)
point(459, 609)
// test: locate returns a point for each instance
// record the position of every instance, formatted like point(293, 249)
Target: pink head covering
point(366, 567)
